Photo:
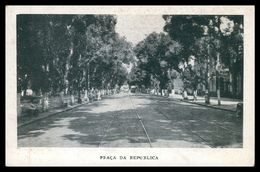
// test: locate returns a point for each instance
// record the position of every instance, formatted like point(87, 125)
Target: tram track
point(117, 115)
point(106, 129)
point(186, 126)
point(140, 120)
point(215, 123)
point(207, 122)
point(130, 122)
point(203, 140)
point(192, 133)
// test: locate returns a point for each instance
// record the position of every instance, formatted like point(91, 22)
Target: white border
point(167, 156)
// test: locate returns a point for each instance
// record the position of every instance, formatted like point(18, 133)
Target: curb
point(208, 106)
point(55, 113)
point(176, 99)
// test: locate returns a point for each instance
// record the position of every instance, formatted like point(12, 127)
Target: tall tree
point(202, 37)
point(157, 56)
point(69, 52)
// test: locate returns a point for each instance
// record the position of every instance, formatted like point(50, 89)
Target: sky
point(136, 27)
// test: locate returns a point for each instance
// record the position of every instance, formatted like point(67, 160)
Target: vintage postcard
point(130, 85)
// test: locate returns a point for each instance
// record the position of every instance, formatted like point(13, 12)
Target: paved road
point(131, 120)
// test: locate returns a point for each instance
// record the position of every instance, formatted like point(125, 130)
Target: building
point(231, 83)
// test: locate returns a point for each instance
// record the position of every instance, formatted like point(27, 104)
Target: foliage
point(157, 54)
point(75, 52)
point(213, 40)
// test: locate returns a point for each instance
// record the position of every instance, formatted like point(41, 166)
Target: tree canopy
point(70, 52)
point(197, 47)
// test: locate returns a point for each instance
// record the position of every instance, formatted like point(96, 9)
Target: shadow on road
point(168, 123)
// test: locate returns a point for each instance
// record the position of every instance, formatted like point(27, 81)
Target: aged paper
point(85, 156)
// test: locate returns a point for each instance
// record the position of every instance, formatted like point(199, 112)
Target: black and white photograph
point(101, 80)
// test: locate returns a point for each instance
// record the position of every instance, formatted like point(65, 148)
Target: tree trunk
point(72, 99)
point(207, 96)
point(218, 78)
point(86, 96)
point(98, 95)
point(207, 92)
point(235, 84)
point(173, 93)
point(65, 79)
point(242, 85)
point(45, 102)
point(195, 95)
point(218, 90)
point(79, 97)
point(19, 111)
point(160, 91)
point(185, 95)
point(88, 78)
point(61, 98)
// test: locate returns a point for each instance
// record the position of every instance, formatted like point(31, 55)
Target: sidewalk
point(226, 103)
point(27, 119)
